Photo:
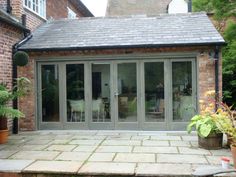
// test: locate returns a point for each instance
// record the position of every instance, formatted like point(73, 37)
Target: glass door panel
point(127, 92)
point(182, 93)
point(50, 93)
point(154, 92)
point(75, 93)
point(101, 102)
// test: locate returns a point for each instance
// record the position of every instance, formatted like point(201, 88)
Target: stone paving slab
point(35, 155)
point(193, 150)
point(85, 142)
point(74, 156)
point(7, 165)
point(108, 152)
point(134, 157)
point(102, 157)
point(114, 149)
point(177, 158)
point(163, 169)
point(180, 144)
point(155, 143)
point(54, 167)
point(6, 154)
point(121, 142)
point(61, 147)
point(151, 149)
point(102, 168)
point(84, 148)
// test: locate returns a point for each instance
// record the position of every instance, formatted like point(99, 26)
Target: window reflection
point(154, 92)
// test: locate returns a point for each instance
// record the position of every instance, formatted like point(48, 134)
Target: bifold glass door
point(155, 94)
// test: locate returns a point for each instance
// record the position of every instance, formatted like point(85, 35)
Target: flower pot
point(213, 141)
point(233, 151)
point(3, 136)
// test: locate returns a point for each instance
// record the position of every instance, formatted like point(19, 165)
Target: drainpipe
point(15, 47)
point(189, 5)
point(217, 76)
point(9, 8)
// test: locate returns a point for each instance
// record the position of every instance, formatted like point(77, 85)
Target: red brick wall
point(206, 75)
point(58, 9)
point(9, 36)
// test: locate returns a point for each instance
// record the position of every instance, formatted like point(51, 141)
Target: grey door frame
point(172, 125)
point(113, 61)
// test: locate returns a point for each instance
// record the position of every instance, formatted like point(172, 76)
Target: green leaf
point(205, 130)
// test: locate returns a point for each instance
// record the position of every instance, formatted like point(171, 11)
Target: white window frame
point(38, 7)
point(71, 14)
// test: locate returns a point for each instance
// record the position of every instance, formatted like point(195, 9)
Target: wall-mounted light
point(214, 54)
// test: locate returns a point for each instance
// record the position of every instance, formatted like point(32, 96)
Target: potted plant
point(226, 123)
point(6, 110)
point(209, 135)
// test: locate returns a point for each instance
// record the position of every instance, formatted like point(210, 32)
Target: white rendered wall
point(178, 6)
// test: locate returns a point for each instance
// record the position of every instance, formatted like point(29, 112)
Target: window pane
point(154, 92)
point(127, 90)
point(101, 93)
point(183, 108)
point(50, 93)
point(75, 93)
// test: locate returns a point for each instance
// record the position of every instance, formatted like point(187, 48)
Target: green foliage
point(202, 5)
point(229, 65)
point(6, 96)
point(21, 58)
point(204, 125)
point(224, 10)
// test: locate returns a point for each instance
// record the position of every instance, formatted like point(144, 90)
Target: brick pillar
point(17, 8)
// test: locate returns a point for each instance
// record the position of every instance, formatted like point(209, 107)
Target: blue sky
point(97, 7)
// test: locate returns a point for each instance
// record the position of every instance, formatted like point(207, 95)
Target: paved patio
point(127, 153)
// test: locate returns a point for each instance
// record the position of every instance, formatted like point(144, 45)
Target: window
point(71, 13)
point(37, 6)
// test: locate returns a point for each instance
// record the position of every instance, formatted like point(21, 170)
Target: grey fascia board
point(122, 47)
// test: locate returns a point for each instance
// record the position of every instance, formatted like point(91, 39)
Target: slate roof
point(124, 32)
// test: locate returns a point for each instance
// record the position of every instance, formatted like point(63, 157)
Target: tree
point(225, 15)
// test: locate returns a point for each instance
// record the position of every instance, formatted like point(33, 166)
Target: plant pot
point(3, 136)
point(213, 141)
point(3, 123)
point(233, 151)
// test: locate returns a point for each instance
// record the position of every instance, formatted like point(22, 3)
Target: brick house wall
point(9, 35)
point(205, 77)
point(58, 9)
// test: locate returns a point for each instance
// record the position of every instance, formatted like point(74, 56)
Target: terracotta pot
point(3, 136)
point(233, 151)
point(213, 141)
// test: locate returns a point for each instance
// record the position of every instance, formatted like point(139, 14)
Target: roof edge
point(15, 24)
point(84, 10)
point(123, 47)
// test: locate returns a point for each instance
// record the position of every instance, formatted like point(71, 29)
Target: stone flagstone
point(180, 143)
point(35, 155)
point(101, 168)
point(114, 149)
point(7, 165)
point(61, 147)
point(177, 158)
point(161, 137)
point(85, 142)
point(134, 157)
point(121, 142)
point(82, 148)
point(151, 149)
point(102, 157)
point(155, 143)
point(54, 167)
point(76, 156)
point(193, 150)
point(163, 169)
point(6, 154)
